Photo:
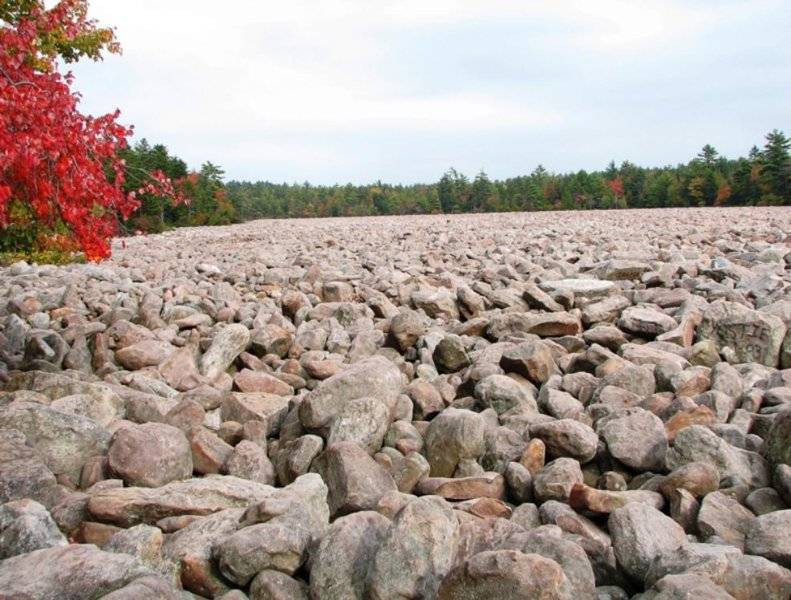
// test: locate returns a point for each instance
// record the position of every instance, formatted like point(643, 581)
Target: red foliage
point(616, 187)
point(54, 160)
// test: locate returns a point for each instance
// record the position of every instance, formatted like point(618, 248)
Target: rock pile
point(557, 406)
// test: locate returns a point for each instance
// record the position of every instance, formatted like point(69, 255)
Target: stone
point(209, 451)
point(191, 549)
point(587, 288)
point(768, 536)
point(503, 393)
point(556, 480)
point(567, 438)
point(646, 321)
point(778, 442)
point(532, 360)
point(276, 533)
point(698, 478)
point(147, 353)
point(488, 485)
point(722, 516)
point(23, 473)
point(250, 461)
point(417, 551)
point(150, 455)
point(700, 444)
point(74, 572)
point(355, 480)
point(753, 336)
point(375, 377)
point(363, 421)
point(426, 399)
point(228, 343)
point(248, 381)
point(274, 585)
point(506, 573)
point(642, 534)
point(406, 328)
point(453, 435)
point(450, 355)
point(583, 497)
point(25, 526)
point(132, 505)
point(635, 437)
point(64, 441)
point(341, 563)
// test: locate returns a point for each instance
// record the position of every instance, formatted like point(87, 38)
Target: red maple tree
point(58, 166)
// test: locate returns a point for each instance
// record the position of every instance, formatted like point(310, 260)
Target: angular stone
point(133, 505)
point(250, 461)
point(722, 516)
point(488, 485)
point(249, 381)
point(209, 451)
point(556, 480)
point(646, 321)
point(228, 343)
point(532, 360)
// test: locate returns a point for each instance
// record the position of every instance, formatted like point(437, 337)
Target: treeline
point(761, 178)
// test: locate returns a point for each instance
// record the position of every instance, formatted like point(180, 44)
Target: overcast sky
point(359, 90)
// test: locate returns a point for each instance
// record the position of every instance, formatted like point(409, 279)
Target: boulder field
point(554, 406)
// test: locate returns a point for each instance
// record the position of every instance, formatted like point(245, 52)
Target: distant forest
point(762, 178)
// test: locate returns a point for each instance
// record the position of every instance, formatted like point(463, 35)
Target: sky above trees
point(354, 90)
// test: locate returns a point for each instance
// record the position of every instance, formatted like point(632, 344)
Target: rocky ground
point(591, 405)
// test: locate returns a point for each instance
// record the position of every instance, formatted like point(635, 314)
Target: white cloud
point(203, 76)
